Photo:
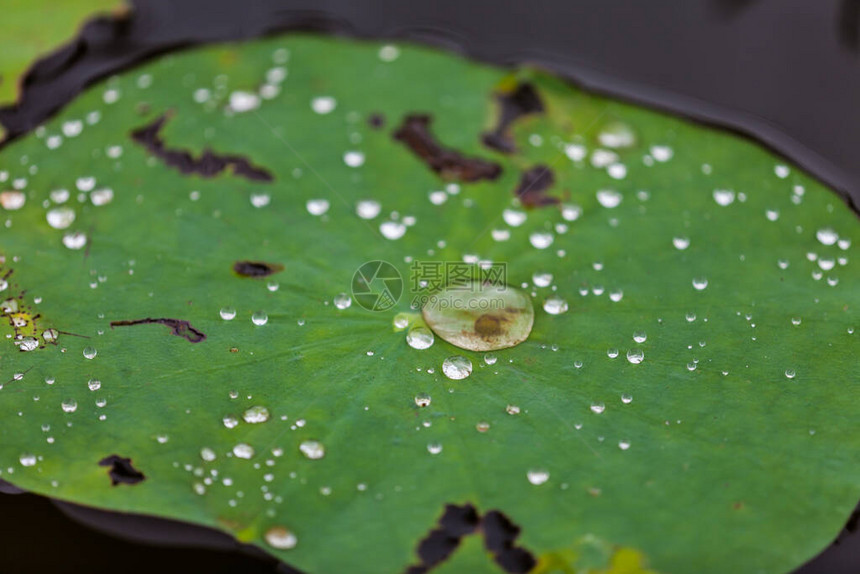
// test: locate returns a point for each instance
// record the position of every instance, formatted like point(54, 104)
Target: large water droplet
point(90, 352)
point(69, 406)
point(392, 229)
point(260, 318)
point(420, 338)
point(256, 414)
point(480, 317)
point(635, 356)
point(827, 236)
point(609, 198)
point(457, 367)
point(342, 301)
point(27, 459)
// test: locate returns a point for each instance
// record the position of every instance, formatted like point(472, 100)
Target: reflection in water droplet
point(420, 338)
point(640, 336)
point(90, 352)
point(207, 454)
point(635, 356)
point(342, 301)
point(612, 353)
point(230, 422)
point(624, 444)
point(537, 476)
point(422, 399)
point(790, 373)
point(626, 398)
point(69, 406)
point(312, 449)
point(796, 321)
point(256, 414)
point(555, 305)
point(280, 538)
point(597, 408)
point(259, 318)
point(457, 367)
point(94, 384)
point(401, 321)
point(228, 313)
point(661, 153)
point(616, 295)
point(512, 409)
point(27, 459)
point(434, 448)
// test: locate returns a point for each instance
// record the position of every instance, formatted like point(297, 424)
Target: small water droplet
point(27, 459)
point(626, 398)
point(700, 283)
point(94, 384)
point(230, 422)
point(317, 207)
point(60, 217)
point(635, 356)
point(609, 198)
point(512, 409)
point(681, 242)
point(541, 239)
point(597, 408)
point(228, 313)
point(537, 476)
point(323, 104)
point(243, 450)
point(259, 318)
point(612, 353)
point(312, 449)
point(434, 448)
point(368, 208)
point(555, 305)
point(342, 301)
point(542, 279)
point(75, 240)
point(640, 336)
point(570, 212)
point(513, 217)
point(624, 444)
point(353, 158)
point(422, 400)
point(490, 359)
point(790, 373)
point(90, 352)
point(207, 454)
point(392, 229)
point(724, 197)
point(69, 406)
point(280, 538)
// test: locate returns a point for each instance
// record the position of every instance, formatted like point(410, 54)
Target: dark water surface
point(786, 72)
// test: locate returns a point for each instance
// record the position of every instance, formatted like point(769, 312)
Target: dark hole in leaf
point(256, 268)
point(442, 541)
point(376, 120)
point(178, 327)
point(209, 164)
point(121, 470)
point(449, 164)
point(514, 104)
point(533, 187)
point(499, 536)
point(459, 521)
